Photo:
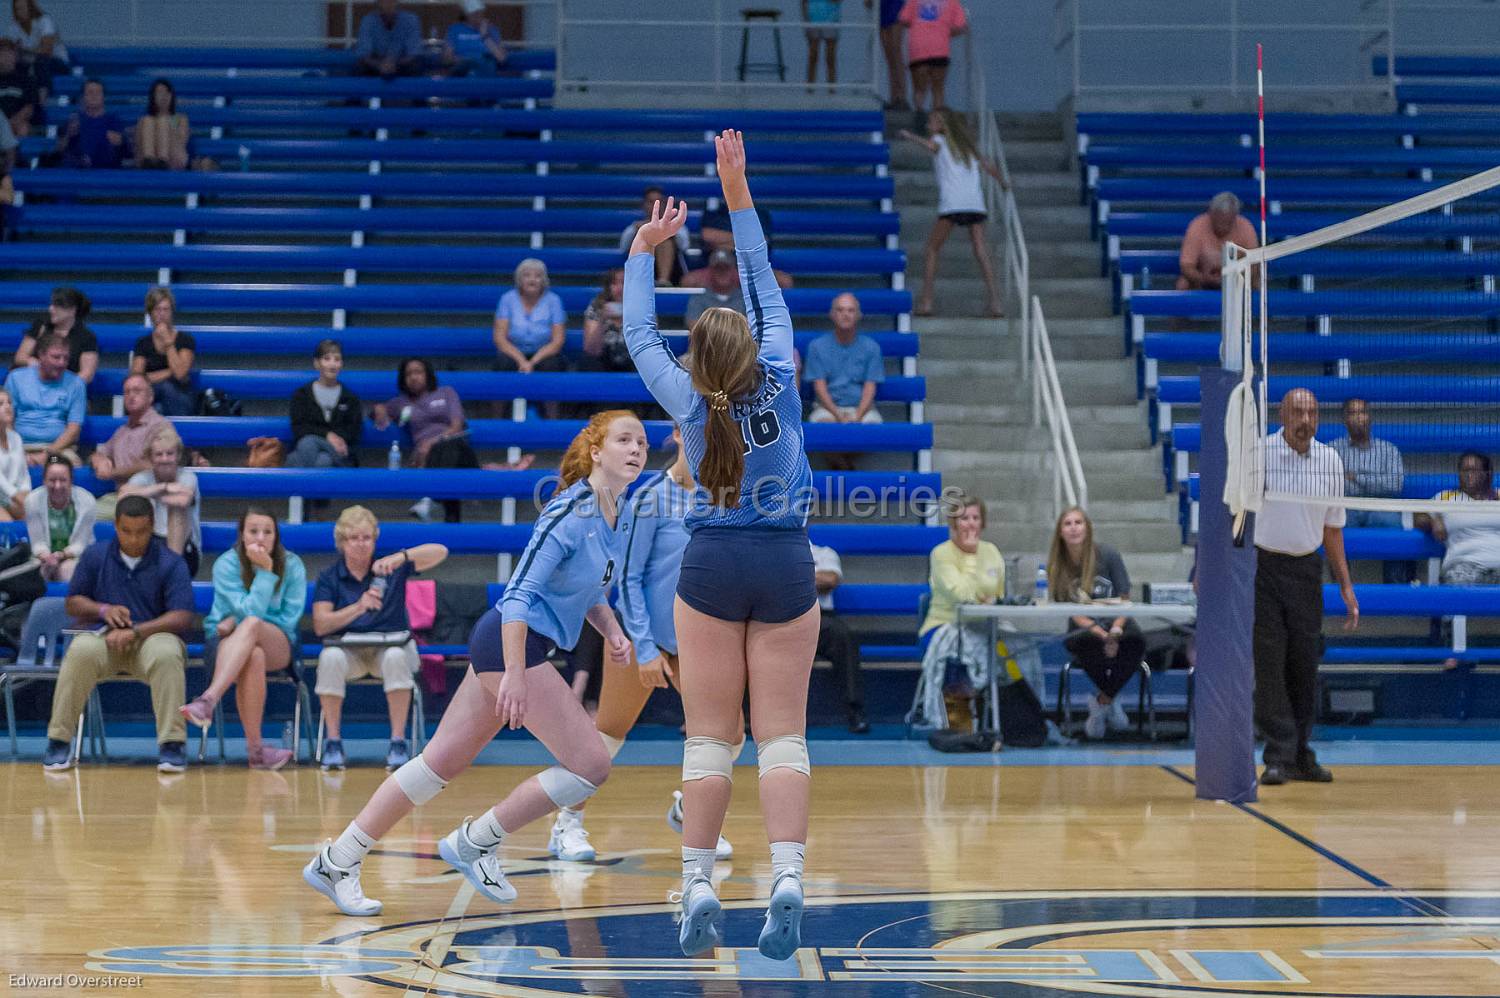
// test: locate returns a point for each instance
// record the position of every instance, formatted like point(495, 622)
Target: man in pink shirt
point(1202, 256)
point(124, 453)
point(930, 27)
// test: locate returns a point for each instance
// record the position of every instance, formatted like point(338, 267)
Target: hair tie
point(718, 401)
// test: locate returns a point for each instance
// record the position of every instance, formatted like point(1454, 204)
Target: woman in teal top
point(260, 589)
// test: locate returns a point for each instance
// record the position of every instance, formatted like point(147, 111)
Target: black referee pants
point(1288, 644)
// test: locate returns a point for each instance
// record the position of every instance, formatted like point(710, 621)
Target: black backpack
point(1022, 721)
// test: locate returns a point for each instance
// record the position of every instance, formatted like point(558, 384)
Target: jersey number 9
point(760, 430)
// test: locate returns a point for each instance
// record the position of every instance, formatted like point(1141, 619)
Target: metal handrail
point(1038, 368)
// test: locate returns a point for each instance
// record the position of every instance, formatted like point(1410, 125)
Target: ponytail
point(578, 461)
point(724, 369)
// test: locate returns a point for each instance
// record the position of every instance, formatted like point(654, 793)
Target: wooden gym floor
point(923, 880)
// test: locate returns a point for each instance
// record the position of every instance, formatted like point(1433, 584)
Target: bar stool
point(752, 15)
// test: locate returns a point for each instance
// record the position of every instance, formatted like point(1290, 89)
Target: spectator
point(956, 162)
point(65, 315)
point(671, 255)
point(835, 641)
point(845, 368)
point(161, 134)
point(473, 41)
point(890, 44)
point(140, 594)
point(20, 101)
point(962, 569)
point(819, 14)
point(251, 631)
point(34, 31)
point(59, 521)
point(50, 403)
point(930, 27)
point(327, 418)
point(721, 287)
point(362, 594)
point(173, 491)
point(531, 326)
point(93, 138)
point(1473, 539)
point(434, 419)
point(165, 356)
point(1201, 262)
point(15, 479)
point(716, 233)
point(1110, 651)
point(389, 42)
point(603, 328)
point(8, 146)
point(1372, 470)
point(124, 455)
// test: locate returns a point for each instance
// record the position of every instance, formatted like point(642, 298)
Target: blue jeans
point(1398, 573)
point(173, 398)
point(316, 452)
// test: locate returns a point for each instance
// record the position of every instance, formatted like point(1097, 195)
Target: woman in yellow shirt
point(964, 569)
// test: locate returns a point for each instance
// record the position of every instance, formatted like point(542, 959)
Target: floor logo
point(1350, 944)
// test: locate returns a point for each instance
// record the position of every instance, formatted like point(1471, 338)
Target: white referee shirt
point(1296, 528)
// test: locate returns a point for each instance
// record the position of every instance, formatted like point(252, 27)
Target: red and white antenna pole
point(1260, 110)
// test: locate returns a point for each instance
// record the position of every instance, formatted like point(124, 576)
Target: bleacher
point(1387, 318)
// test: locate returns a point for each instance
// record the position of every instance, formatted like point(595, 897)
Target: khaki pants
point(158, 661)
point(822, 415)
point(396, 667)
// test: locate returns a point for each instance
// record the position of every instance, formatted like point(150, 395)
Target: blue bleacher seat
point(1418, 486)
point(1286, 125)
point(1409, 438)
point(326, 87)
point(239, 298)
point(475, 386)
point(1183, 389)
point(393, 341)
point(1373, 348)
point(537, 434)
point(115, 257)
point(1288, 190)
point(140, 58)
point(427, 184)
point(1326, 158)
point(490, 221)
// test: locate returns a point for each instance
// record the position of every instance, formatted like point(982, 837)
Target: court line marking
point(1413, 901)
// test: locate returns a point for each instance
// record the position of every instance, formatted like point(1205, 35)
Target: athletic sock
point(786, 857)
point(350, 848)
point(697, 863)
point(485, 831)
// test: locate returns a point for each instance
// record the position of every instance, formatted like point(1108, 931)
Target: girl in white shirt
point(957, 162)
point(15, 479)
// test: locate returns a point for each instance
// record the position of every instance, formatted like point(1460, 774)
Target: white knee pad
point(612, 745)
point(704, 757)
point(783, 752)
point(417, 780)
point(565, 787)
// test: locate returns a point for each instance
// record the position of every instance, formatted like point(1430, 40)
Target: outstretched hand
point(664, 224)
point(729, 147)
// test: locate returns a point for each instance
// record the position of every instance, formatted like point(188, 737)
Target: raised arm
point(658, 366)
point(770, 321)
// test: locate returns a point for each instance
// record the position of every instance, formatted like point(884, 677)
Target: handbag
point(964, 741)
point(20, 576)
point(265, 452)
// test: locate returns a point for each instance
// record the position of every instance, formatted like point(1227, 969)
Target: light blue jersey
point(776, 490)
point(657, 533)
point(567, 567)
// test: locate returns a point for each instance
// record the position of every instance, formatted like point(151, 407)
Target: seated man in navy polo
point(140, 594)
point(359, 609)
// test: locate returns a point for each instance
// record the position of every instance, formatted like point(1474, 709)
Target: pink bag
point(421, 613)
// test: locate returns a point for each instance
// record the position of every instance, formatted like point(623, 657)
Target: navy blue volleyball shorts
point(487, 651)
point(744, 573)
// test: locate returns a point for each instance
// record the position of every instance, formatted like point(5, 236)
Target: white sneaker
point(339, 885)
point(569, 841)
point(1095, 726)
point(701, 912)
point(1116, 719)
point(674, 821)
point(782, 933)
point(422, 509)
point(480, 866)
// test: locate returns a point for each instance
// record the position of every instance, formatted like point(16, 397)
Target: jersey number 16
point(760, 430)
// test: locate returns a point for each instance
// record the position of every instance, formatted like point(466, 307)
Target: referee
point(1289, 588)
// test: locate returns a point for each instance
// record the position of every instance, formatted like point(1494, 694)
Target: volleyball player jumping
point(564, 575)
point(746, 610)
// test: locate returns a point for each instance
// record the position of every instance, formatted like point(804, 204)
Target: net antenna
point(1244, 423)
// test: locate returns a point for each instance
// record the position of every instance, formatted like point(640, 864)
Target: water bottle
point(393, 457)
point(379, 584)
point(244, 152)
point(1041, 583)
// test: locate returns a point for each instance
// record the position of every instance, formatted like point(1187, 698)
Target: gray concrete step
point(998, 381)
point(988, 465)
point(1087, 435)
point(1132, 539)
